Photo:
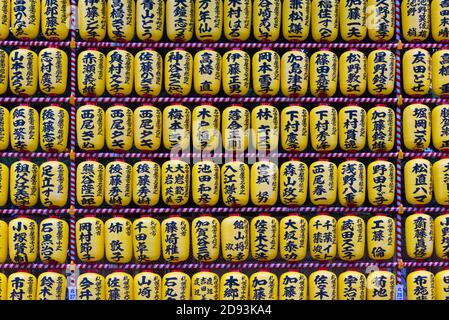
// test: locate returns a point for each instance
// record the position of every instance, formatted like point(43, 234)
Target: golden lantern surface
point(263, 286)
point(440, 78)
point(3, 242)
point(381, 182)
point(234, 285)
point(420, 285)
point(293, 182)
point(54, 128)
point(53, 183)
point(147, 128)
point(118, 183)
point(418, 181)
point(264, 183)
point(176, 286)
point(353, 20)
point(440, 127)
point(90, 183)
point(237, 19)
point(121, 20)
point(119, 72)
point(180, 25)
point(24, 183)
point(148, 72)
point(205, 183)
point(208, 20)
point(178, 72)
point(294, 72)
point(23, 243)
point(205, 238)
point(381, 285)
point(264, 238)
point(53, 240)
point(25, 19)
point(150, 18)
point(175, 182)
point(266, 72)
point(416, 127)
point(322, 285)
point(236, 72)
point(118, 240)
point(381, 126)
point(206, 127)
point(296, 20)
point(21, 286)
point(352, 128)
point(381, 19)
point(323, 237)
point(119, 128)
point(380, 236)
point(235, 238)
point(55, 19)
point(176, 120)
point(293, 236)
point(175, 239)
point(381, 72)
point(24, 124)
point(207, 70)
point(3, 287)
point(90, 127)
point(439, 27)
point(5, 22)
point(352, 73)
point(419, 236)
point(440, 179)
point(235, 128)
point(146, 183)
point(23, 71)
point(351, 285)
point(324, 20)
point(323, 72)
point(351, 238)
point(119, 286)
point(4, 63)
point(294, 127)
point(323, 182)
point(91, 286)
point(147, 286)
point(265, 128)
point(235, 184)
point(324, 128)
point(146, 232)
point(441, 282)
point(266, 20)
point(351, 183)
point(53, 70)
point(4, 128)
point(416, 72)
point(415, 20)
point(4, 185)
point(90, 236)
point(441, 236)
point(205, 286)
point(92, 20)
point(51, 286)
point(292, 286)
point(91, 72)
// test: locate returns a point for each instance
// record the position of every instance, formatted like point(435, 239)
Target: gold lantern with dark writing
point(25, 19)
point(24, 183)
point(381, 19)
point(323, 183)
point(440, 127)
point(264, 183)
point(90, 183)
point(439, 27)
point(235, 184)
point(175, 182)
point(4, 128)
point(54, 128)
point(237, 19)
point(324, 128)
point(91, 73)
point(178, 72)
point(91, 286)
point(24, 128)
point(205, 183)
point(23, 244)
point(92, 20)
point(351, 238)
point(23, 71)
point(381, 126)
point(4, 184)
point(176, 286)
point(324, 20)
point(351, 183)
point(322, 285)
point(441, 236)
point(415, 20)
point(234, 285)
point(53, 71)
point(294, 127)
point(208, 20)
point(265, 128)
point(89, 233)
point(121, 20)
point(119, 286)
point(21, 286)
point(119, 72)
point(51, 286)
point(53, 183)
point(235, 128)
point(176, 126)
point(119, 128)
point(440, 180)
point(148, 72)
point(295, 20)
point(380, 236)
point(352, 73)
point(293, 184)
point(381, 285)
point(206, 127)
point(180, 25)
point(267, 20)
point(4, 63)
point(264, 238)
point(323, 72)
point(293, 237)
point(53, 240)
point(351, 285)
point(146, 232)
point(205, 286)
point(205, 238)
point(420, 285)
point(118, 183)
point(150, 18)
point(352, 128)
point(90, 127)
point(118, 240)
point(381, 71)
point(353, 20)
point(175, 239)
point(146, 183)
point(264, 286)
point(3, 286)
point(235, 238)
point(236, 72)
point(5, 22)
point(292, 286)
point(418, 181)
point(294, 72)
point(323, 237)
point(416, 127)
point(207, 69)
point(416, 72)
point(147, 128)
point(441, 282)
point(266, 72)
point(147, 286)
point(381, 182)
point(3, 241)
point(419, 236)
point(440, 78)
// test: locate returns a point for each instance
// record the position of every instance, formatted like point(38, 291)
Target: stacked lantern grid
point(72, 211)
